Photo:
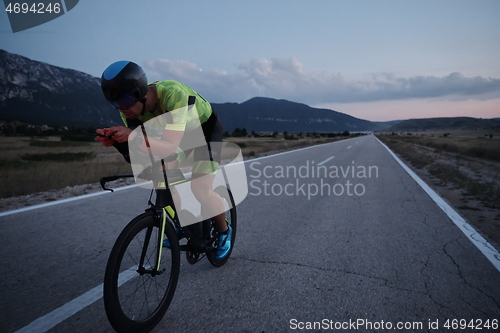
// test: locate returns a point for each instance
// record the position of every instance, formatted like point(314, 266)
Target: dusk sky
point(376, 60)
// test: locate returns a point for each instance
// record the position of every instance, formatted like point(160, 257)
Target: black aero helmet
point(123, 78)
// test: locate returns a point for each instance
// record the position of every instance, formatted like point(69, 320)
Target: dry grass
point(455, 160)
point(258, 146)
point(41, 176)
point(26, 167)
point(471, 144)
point(451, 164)
point(20, 176)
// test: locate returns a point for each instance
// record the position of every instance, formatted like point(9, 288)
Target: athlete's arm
point(102, 137)
point(119, 133)
point(162, 148)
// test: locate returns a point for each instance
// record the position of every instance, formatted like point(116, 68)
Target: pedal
point(193, 257)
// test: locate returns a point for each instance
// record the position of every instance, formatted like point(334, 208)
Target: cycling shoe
point(224, 243)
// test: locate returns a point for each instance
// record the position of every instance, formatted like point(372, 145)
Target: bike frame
point(164, 210)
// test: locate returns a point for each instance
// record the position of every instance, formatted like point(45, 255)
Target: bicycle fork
point(161, 237)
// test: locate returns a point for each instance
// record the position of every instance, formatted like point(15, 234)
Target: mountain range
point(38, 93)
point(41, 94)
point(269, 115)
point(447, 124)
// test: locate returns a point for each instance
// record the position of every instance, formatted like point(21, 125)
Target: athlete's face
point(134, 111)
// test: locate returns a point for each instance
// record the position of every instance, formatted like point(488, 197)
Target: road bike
point(141, 274)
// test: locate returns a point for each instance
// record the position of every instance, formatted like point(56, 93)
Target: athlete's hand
point(102, 137)
point(118, 133)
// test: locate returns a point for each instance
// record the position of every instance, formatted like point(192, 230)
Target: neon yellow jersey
point(173, 97)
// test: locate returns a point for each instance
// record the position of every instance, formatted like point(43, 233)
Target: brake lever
point(103, 183)
point(104, 180)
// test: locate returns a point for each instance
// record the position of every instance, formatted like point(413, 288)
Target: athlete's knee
point(172, 165)
point(200, 190)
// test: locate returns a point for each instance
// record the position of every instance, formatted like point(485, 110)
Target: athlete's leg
point(202, 188)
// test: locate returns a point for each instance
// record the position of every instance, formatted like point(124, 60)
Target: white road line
point(62, 313)
point(63, 201)
point(329, 158)
point(48, 321)
point(10, 212)
point(292, 151)
point(349, 147)
point(489, 251)
point(45, 323)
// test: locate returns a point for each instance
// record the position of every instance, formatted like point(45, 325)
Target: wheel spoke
point(145, 298)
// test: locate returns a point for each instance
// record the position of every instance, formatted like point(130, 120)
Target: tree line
point(242, 132)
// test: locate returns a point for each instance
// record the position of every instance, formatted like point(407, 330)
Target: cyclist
point(125, 86)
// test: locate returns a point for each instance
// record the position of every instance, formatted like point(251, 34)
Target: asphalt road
point(338, 248)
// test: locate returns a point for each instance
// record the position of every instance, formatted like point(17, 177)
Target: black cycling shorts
point(207, 160)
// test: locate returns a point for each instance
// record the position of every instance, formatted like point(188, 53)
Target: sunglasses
point(126, 101)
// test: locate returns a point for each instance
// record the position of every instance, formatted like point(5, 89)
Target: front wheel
point(136, 293)
point(230, 210)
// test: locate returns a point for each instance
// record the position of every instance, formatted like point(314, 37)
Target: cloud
point(289, 79)
point(215, 85)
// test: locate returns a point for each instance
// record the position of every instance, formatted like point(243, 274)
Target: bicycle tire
point(126, 308)
point(227, 196)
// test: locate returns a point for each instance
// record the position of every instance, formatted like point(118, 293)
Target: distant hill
point(37, 93)
point(454, 123)
point(269, 115)
point(387, 124)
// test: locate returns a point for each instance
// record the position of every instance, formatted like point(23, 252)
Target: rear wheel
point(230, 211)
point(136, 293)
